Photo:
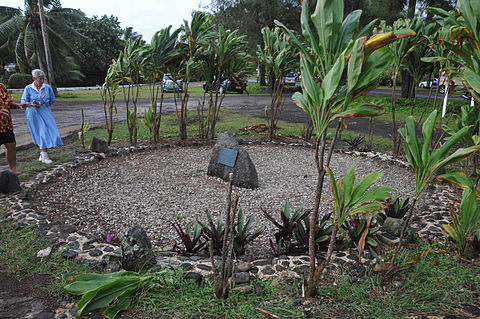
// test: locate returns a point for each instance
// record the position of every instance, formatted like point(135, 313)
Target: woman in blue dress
point(39, 98)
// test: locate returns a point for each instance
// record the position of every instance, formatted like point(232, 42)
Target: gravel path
point(157, 187)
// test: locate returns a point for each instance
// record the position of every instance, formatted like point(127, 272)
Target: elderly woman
point(39, 97)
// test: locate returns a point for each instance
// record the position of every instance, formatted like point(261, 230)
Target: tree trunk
point(407, 83)
point(261, 71)
point(48, 57)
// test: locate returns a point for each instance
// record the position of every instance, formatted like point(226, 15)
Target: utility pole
point(48, 57)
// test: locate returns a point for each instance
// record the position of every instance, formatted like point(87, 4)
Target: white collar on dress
point(35, 88)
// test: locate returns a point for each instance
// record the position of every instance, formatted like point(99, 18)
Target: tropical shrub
point(191, 239)
point(394, 209)
point(286, 225)
point(19, 80)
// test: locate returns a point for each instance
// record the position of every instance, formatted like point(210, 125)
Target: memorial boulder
point(229, 157)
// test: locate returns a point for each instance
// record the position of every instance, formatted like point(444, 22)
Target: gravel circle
point(157, 187)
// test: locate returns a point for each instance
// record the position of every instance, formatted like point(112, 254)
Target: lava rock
point(244, 171)
point(98, 145)
point(198, 278)
point(136, 249)
point(9, 183)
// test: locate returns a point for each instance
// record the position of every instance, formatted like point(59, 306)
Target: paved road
point(68, 113)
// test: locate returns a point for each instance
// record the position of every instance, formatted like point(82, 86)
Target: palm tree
point(20, 32)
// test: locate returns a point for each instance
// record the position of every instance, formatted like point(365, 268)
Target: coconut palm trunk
point(48, 57)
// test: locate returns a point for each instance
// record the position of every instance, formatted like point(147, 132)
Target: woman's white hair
point(37, 72)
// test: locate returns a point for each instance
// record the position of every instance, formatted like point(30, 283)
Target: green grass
point(18, 250)
point(434, 285)
point(174, 297)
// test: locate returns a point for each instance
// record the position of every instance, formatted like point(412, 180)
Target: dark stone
point(63, 235)
point(241, 277)
point(108, 249)
point(289, 290)
point(302, 269)
point(98, 145)
point(95, 253)
point(286, 263)
point(52, 235)
point(307, 259)
point(268, 271)
point(9, 183)
point(262, 262)
point(88, 246)
point(74, 245)
point(244, 171)
point(194, 276)
point(254, 270)
point(339, 261)
point(69, 254)
point(473, 310)
point(279, 268)
point(72, 238)
point(186, 266)
point(394, 227)
point(258, 289)
point(45, 315)
point(204, 267)
point(358, 269)
point(136, 249)
point(340, 254)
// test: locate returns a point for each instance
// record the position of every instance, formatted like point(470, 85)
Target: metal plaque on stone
point(227, 157)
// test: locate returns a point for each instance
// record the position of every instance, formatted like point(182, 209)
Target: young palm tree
point(20, 31)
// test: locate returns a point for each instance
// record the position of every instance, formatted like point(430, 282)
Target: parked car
point(234, 84)
point(433, 84)
point(290, 79)
point(425, 85)
point(169, 84)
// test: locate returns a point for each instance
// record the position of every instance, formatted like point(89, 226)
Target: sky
point(145, 16)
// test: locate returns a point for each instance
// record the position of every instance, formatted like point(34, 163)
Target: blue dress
point(40, 120)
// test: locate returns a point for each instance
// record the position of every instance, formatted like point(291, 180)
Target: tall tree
point(250, 16)
point(24, 27)
point(46, 46)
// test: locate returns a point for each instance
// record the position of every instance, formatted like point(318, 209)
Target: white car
point(433, 84)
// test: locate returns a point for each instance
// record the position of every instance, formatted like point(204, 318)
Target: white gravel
point(157, 187)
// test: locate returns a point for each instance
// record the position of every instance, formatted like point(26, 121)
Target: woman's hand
point(4, 112)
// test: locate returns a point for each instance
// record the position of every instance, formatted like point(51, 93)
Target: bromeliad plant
point(425, 162)
point(394, 209)
point(322, 233)
point(243, 236)
point(288, 224)
point(338, 65)
point(362, 229)
point(191, 239)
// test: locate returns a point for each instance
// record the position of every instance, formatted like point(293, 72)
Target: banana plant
point(338, 65)
point(426, 163)
point(281, 57)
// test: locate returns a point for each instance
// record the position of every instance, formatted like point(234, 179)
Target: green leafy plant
point(355, 142)
point(394, 209)
point(214, 231)
point(287, 224)
point(114, 291)
point(337, 65)
point(280, 57)
point(426, 163)
point(351, 199)
point(243, 235)
point(149, 119)
point(191, 239)
point(322, 232)
point(465, 223)
point(361, 230)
